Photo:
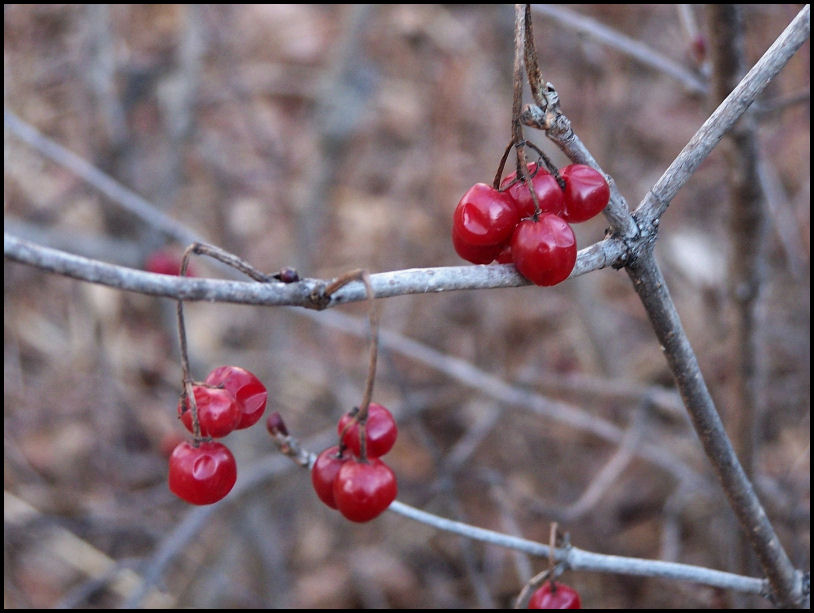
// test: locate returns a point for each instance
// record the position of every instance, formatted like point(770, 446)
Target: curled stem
point(187, 396)
point(359, 415)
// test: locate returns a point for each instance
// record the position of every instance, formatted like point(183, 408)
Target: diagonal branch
point(651, 287)
point(642, 53)
point(114, 190)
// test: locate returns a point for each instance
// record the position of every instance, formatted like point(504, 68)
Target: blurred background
point(334, 137)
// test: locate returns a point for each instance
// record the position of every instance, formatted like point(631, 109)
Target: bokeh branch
point(748, 222)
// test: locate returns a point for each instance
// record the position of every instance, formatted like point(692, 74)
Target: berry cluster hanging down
point(505, 225)
point(230, 398)
point(350, 476)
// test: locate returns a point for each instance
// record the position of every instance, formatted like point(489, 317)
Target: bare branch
point(652, 289)
point(307, 293)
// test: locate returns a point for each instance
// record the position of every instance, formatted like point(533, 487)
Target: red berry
point(247, 389)
point(484, 216)
point(324, 472)
point(165, 262)
point(555, 596)
point(363, 490)
point(476, 254)
point(549, 193)
point(586, 193)
point(380, 431)
point(218, 411)
point(544, 251)
point(202, 474)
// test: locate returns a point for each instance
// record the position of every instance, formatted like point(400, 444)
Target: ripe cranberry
point(549, 194)
point(218, 411)
point(324, 472)
point(247, 389)
point(380, 431)
point(544, 250)
point(202, 474)
point(586, 193)
point(477, 254)
point(484, 216)
point(555, 596)
point(363, 490)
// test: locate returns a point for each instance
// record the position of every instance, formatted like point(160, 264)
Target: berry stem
point(360, 416)
point(187, 396)
point(517, 101)
point(198, 248)
point(502, 165)
point(535, 76)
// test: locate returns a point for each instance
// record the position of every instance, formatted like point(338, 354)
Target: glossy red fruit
point(324, 472)
point(218, 411)
point(202, 474)
point(586, 193)
point(364, 490)
point(549, 193)
point(474, 253)
point(484, 216)
point(544, 251)
point(555, 596)
point(247, 389)
point(380, 431)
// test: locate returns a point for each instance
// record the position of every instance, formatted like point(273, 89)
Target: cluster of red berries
point(230, 398)
point(555, 596)
point(358, 484)
point(503, 224)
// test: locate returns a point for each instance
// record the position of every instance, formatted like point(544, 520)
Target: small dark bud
point(275, 424)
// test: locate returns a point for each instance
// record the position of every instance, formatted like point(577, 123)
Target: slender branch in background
point(343, 92)
point(639, 51)
point(721, 121)
point(747, 224)
point(114, 190)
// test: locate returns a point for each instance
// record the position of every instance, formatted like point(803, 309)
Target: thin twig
point(571, 557)
point(642, 53)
